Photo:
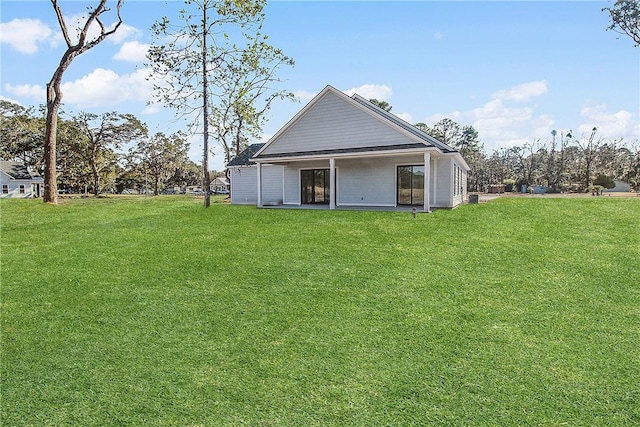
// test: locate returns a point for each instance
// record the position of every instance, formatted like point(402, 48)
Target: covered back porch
point(395, 181)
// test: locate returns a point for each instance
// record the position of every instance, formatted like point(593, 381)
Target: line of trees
point(565, 162)
point(97, 153)
point(113, 152)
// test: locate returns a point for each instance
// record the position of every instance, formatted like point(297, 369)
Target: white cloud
point(124, 32)
point(438, 35)
point(522, 92)
point(215, 156)
point(106, 88)
point(27, 35)
point(152, 108)
point(542, 126)
point(496, 123)
point(405, 116)
point(303, 95)
point(132, 52)
point(24, 35)
point(502, 126)
point(500, 123)
point(620, 124)
point(435, 118)
point(372, 91)
point(100, 88)
point(35, 92)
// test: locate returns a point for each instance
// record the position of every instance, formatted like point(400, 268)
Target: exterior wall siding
point(460, 196)
point(272, 185)
point(442, 173)
point(13, 188)
point(366, 182)
point(335, 124)
point(244, 185)
point(291, 185)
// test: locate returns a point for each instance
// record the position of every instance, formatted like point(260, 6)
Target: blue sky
point(514, 70)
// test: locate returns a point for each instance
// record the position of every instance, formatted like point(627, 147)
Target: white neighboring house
point(344, 151)
point(17, 181)
point(219, 185)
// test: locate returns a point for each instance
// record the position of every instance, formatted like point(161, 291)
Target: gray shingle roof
point(15, 170)
point(243, 159)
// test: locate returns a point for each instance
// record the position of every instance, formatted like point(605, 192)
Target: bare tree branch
point(54, 93)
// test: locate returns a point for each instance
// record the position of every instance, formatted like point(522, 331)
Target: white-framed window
point(22, 189)
point(458, 181)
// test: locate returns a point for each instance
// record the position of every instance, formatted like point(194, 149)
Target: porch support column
point(435, 179)
point(427, 181)
point(259, 174)
point(332, 183)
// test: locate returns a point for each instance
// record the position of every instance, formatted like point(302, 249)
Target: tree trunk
point(54, 94)
point(206, 182)
point(54, 99)
point(96, 179)
point(50, 175)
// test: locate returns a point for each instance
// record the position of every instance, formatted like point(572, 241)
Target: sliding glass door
point(315, 186)
point(411, 185)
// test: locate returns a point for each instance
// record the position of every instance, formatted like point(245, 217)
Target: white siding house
point(219, 184)
point(17, 181)
point(344, 151)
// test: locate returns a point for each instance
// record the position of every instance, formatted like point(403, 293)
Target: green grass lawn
point(158, 312)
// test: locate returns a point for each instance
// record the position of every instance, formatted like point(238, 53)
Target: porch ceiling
point(383, 150)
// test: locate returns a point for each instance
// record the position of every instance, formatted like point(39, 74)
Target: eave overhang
point(360, 152)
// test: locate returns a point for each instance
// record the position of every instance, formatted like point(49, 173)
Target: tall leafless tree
point(54, 93)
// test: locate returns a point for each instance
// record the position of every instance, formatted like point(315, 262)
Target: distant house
point(193, 189)
point(17, 181)
point(220, 184)
point(345, 152)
